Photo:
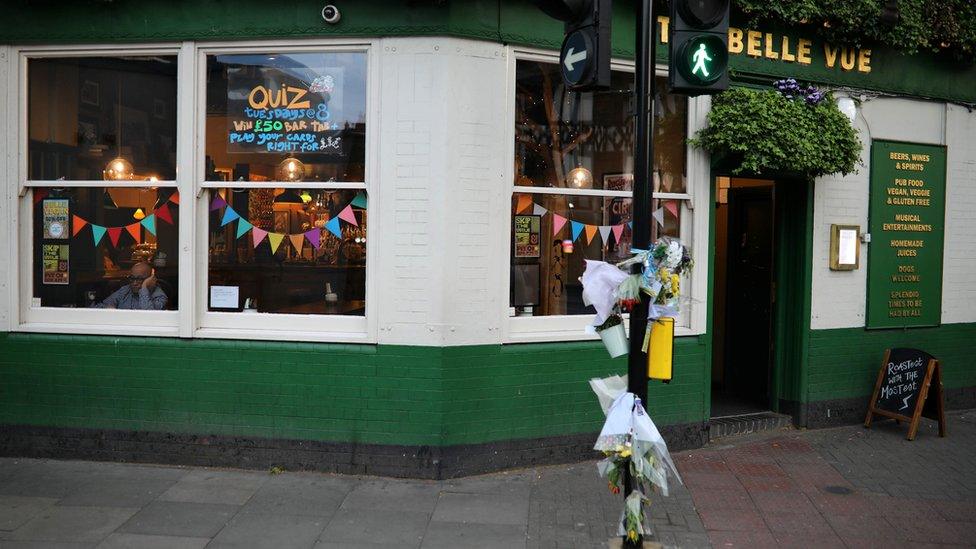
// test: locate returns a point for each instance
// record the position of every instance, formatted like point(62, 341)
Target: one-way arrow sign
point(573, 57)
point(576, 57)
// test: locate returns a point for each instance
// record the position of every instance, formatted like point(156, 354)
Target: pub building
point(242, 235)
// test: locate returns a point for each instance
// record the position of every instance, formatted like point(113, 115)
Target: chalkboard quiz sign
point(907, 225)
point(284, 109)
point(909, 385)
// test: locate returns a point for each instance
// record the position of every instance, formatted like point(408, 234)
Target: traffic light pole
point(644, 61)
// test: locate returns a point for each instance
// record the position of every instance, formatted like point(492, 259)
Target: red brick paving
point(773, 493)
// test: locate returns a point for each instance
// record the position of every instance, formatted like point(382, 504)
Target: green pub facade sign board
point(907, 226)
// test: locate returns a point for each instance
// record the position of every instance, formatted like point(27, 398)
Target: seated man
point(141, 293)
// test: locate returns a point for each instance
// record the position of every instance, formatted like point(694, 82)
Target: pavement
point(842, 487)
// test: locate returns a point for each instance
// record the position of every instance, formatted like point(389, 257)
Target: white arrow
point(572, 57)
point(905, 400)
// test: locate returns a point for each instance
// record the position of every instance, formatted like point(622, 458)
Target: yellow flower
point(664, 274)
point(625, 453)
point(632, 535)
point(675, 283)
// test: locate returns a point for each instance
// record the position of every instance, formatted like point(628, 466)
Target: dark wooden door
point(750, 291)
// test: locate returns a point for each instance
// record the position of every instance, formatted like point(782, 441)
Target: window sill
point(284, 335)
point(98, 329)
point(563, 328)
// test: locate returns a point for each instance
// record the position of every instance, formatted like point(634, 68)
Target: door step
point(744, 424)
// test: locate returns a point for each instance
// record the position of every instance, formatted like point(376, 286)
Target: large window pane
point(286, 117)
point(558, 131)
point(288, 250)
point(101, 247)
point(94, 118)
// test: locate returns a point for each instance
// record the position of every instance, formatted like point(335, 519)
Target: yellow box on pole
point(661, 349)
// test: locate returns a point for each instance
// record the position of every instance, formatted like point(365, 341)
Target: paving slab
point(445, 534)
point(482, 508)
point(265, 530)
point(383, 494)
point(73, 524)
point(216, 486)
point(377, 526)
point(117, 491)
point(142, 541)
point(15, 511)
point(177, 518)
point(300, 494)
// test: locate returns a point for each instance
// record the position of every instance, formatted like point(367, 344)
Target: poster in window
point(616, 211)
point(55, 264)
point(285, 108)
point(527, 235)
point(55, 219)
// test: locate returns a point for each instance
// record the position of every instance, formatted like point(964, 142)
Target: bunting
point(275, 240)
point(558, 222)
point(150, 223)
point(77, 224)
point(577, 228)
point(258, 235)
point(113, 235)
point(590, 233)
point(97, 233)
point(133, 229)
point(297, 241)
point(243, 226)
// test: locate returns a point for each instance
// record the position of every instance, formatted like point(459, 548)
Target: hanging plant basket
point(614, 336)
point(793, 129)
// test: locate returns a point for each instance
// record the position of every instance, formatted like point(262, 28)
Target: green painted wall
point(506, 21)
point(343, 393)
point(843, 363)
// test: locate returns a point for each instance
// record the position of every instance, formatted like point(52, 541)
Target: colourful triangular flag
point(77, 224)
point(671, 206)
point(605, 234)
point(275, 240)
point(539, 210)
point(558, 222)
point(133, 229)
point(630, 225)
point(590, 233)
point(348, 216)
point(258, 235)
point(175, 198)
point(360, 200)
point(162, 212)
point(97, 233)
point(229, 215)
point(577, 229)
point(217, 203)
point(658, 216)
point(313, 237)
point(39, 195)
point(333, 227)
point(150, 223)
point(113, 234)
point(618, 231)
point(297, 241)
point(524, 201)
point(243, 226)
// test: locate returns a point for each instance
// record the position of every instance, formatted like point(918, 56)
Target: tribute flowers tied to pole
point(630, 440)
point(612, 290)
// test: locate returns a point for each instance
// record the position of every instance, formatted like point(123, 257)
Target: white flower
point(673, 256)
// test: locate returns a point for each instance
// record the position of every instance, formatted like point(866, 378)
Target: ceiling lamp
point(139, 215)
point(118, 169)
point(580, 178)
point(290, 169)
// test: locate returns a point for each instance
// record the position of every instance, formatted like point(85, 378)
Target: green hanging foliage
point(912, 26)
point(767, 131)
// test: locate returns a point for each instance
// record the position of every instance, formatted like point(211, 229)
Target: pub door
point(744, 291)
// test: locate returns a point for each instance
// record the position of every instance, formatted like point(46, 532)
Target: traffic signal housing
point(698, 44)
point(584, 59)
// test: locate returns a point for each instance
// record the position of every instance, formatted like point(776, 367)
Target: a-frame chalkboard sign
point(909, 386)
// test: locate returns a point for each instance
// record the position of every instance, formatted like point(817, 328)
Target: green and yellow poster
point(907, 226)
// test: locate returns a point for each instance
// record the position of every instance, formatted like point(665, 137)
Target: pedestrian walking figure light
point(698, 41)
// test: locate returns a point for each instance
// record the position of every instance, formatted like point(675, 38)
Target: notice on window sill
point(224, 297)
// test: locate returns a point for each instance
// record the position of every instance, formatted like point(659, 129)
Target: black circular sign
point(575, 59)
point(702, 13)
point(703, 59)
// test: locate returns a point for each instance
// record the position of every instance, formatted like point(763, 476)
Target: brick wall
point(384, 394)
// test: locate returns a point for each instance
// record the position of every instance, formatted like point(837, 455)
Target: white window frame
point(28, 318)
point(191, 319)
point(693, 228)
point(272, 326)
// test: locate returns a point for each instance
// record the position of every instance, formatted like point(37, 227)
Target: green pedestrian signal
point(702, 59)
point(698, 44)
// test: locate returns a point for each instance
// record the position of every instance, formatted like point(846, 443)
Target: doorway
point(745, 293)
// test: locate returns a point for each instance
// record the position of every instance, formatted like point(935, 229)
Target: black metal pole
point(644, 61)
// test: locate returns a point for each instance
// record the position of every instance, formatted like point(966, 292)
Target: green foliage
point(921, 25)
point(771, 133)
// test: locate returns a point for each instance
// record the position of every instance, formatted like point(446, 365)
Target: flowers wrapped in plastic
point(630, 439)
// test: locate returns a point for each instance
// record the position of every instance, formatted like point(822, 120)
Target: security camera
point(331, 14)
